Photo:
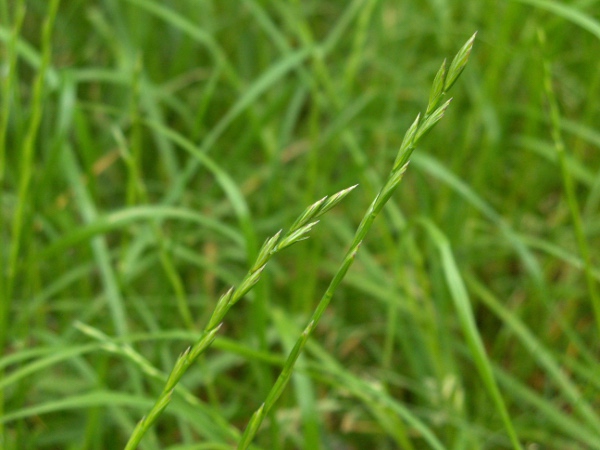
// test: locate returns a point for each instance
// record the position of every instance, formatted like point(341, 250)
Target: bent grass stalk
point(443, 81)
point(569, 185)
point(8, 265)
point(297, 232)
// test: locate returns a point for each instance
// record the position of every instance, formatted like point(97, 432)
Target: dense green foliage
point(148, 149)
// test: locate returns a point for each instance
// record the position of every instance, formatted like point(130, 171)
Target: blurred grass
point(162, 142)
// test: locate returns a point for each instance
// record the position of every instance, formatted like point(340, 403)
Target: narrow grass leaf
point(434, 168)
point(76, 402)
point(555, 416)
point(344, 380)
point(42, 361)
point(466, 318)
point(569, 187)
point(25, 173)
point(568, 12)
point(116, 220)
point(101, 253)
point(229, 186)
point(542, 355)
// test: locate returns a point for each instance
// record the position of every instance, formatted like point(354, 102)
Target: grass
point(147, 149)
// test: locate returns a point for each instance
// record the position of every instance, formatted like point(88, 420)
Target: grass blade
point(466, 318)
point(569, 187)
point(391, 183)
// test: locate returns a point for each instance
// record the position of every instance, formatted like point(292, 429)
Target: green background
point(148, 148)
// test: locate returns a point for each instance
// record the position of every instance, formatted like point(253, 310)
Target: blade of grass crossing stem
point(414, 133)
point(466, 318)
point(569, 186)
point(213, 425)
point(274, 244)
point(110, 399)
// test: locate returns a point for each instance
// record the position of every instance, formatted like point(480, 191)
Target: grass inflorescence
point(148, 148)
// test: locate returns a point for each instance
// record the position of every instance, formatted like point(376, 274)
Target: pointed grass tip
point(459, 62)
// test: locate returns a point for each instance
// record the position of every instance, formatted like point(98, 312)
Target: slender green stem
point(136, 190)
point(26, 165)
point(569, 187)
point(298, 232)
point(443, 81)
point(466, 318)
point(27, 152)
point(7, 85)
